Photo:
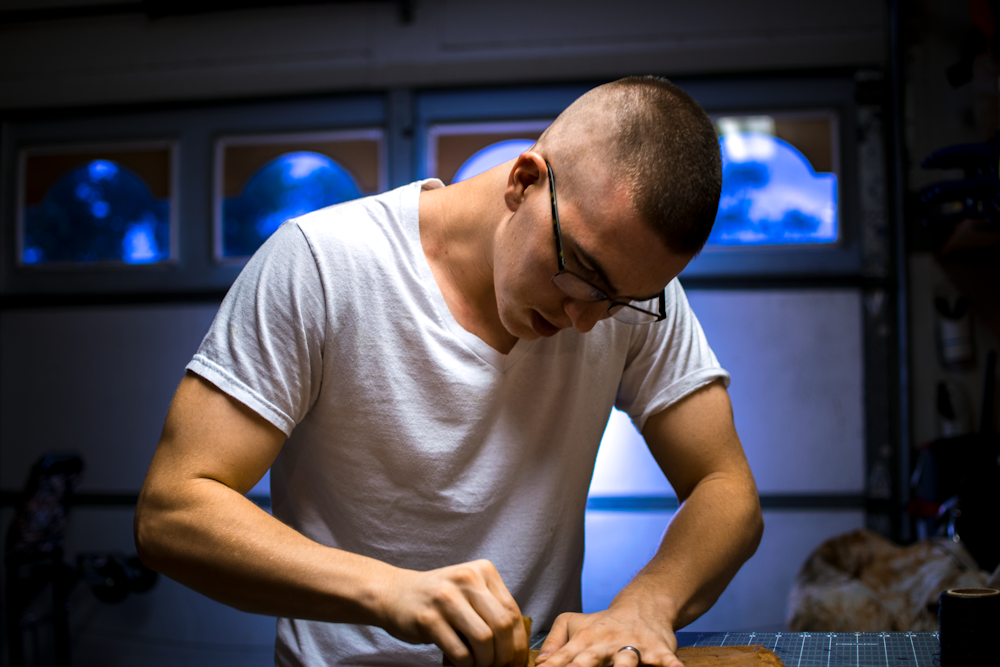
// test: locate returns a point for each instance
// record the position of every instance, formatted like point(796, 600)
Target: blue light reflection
point(284, 188)
point(491, 156)
point(98, 212)
point(771, 195)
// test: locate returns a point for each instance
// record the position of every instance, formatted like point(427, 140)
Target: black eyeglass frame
point(599, 294)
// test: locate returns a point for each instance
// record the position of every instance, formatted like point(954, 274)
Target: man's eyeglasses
point(578, 287)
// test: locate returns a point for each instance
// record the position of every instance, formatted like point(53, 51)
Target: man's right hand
point(444, 606)
point(194, 524)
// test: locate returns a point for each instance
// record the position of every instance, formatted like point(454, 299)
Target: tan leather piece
point(532, 653)
point(754, 655)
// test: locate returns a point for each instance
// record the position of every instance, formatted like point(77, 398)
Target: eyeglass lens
point(577, 288)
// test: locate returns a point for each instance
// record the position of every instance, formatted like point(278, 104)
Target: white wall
point(167, 626)
point(98, 380)
point(95, 380)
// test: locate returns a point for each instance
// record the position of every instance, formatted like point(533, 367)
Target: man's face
point(603, 242)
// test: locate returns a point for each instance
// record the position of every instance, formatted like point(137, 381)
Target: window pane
point(463, 150)
point(265, 180)
point(491, 156)
point(779, 185)
point(284, 188)
point(618, 544)
point(624, 465)
point(96, 208)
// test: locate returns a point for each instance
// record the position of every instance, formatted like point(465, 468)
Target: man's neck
point(457, 226)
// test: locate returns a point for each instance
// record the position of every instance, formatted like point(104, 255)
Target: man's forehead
point(623, 249)
point(640, 275)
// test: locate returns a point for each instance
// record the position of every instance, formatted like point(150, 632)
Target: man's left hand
point(596, 640)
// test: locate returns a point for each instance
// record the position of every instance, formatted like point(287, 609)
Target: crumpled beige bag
point(862, 582)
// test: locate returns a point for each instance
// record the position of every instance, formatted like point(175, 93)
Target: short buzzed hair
point(665, 151)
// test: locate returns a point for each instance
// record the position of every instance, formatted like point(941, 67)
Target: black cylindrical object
point(968, 619)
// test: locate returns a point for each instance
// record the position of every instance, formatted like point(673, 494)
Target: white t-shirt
point(411, 440)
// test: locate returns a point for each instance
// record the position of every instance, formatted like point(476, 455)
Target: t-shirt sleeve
point(666, 361)
point(265, 346)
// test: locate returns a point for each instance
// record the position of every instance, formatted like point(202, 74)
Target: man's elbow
point(148, 533)
point(758, 533)
point(755, 524)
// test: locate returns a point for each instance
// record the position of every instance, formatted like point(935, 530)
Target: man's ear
point(529, 169)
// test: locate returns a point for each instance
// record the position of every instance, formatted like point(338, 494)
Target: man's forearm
point(194, 524)
point(220, 544)
point(713, 533)
point(209, 537)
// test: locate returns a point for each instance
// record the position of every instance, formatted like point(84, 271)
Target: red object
point(923, 509)
point(982, 17)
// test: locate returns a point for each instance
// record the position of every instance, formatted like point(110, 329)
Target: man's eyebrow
point(596, 266)
point(589, 259)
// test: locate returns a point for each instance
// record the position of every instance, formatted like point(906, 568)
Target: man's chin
point(542, 327)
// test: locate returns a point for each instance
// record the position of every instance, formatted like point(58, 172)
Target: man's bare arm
point(716, 529)
point(194, 524)
point(719, 524)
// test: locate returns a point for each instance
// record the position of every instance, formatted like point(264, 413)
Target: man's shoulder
point(369, 222)
point(358, 215)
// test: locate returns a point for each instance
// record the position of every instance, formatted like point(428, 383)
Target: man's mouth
point(542, 326)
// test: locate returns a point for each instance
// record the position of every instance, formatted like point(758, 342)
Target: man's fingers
point(478, 637)
point(468, 612)
point(486, 614)
point(501, 612)
point(590, 657)
point(456, 650)
point(597, 640)
point(558, 636)
point(626, 657)
point(492, 640)
point(662, 657)
point(575, 655)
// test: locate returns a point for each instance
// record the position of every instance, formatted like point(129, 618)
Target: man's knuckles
point(485, 565)
point(428, 618)
point(467, 575)
point(448, 598)
point(508, 620)
point(482, 635)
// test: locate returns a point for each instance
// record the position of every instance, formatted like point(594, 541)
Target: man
point(426, 354)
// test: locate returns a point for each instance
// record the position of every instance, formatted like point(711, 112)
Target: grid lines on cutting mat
point(832, 649)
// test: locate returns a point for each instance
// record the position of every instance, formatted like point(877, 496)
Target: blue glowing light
point(102, 169)
point(491, 156)
point(284, 188)
point(139, 245)
point(33, 255)
point(98, 212)
point(771, 195)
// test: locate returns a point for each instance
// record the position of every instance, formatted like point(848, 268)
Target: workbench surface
point(832, 649)
point(825, 649)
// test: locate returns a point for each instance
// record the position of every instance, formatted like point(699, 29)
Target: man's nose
point(585, 314)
